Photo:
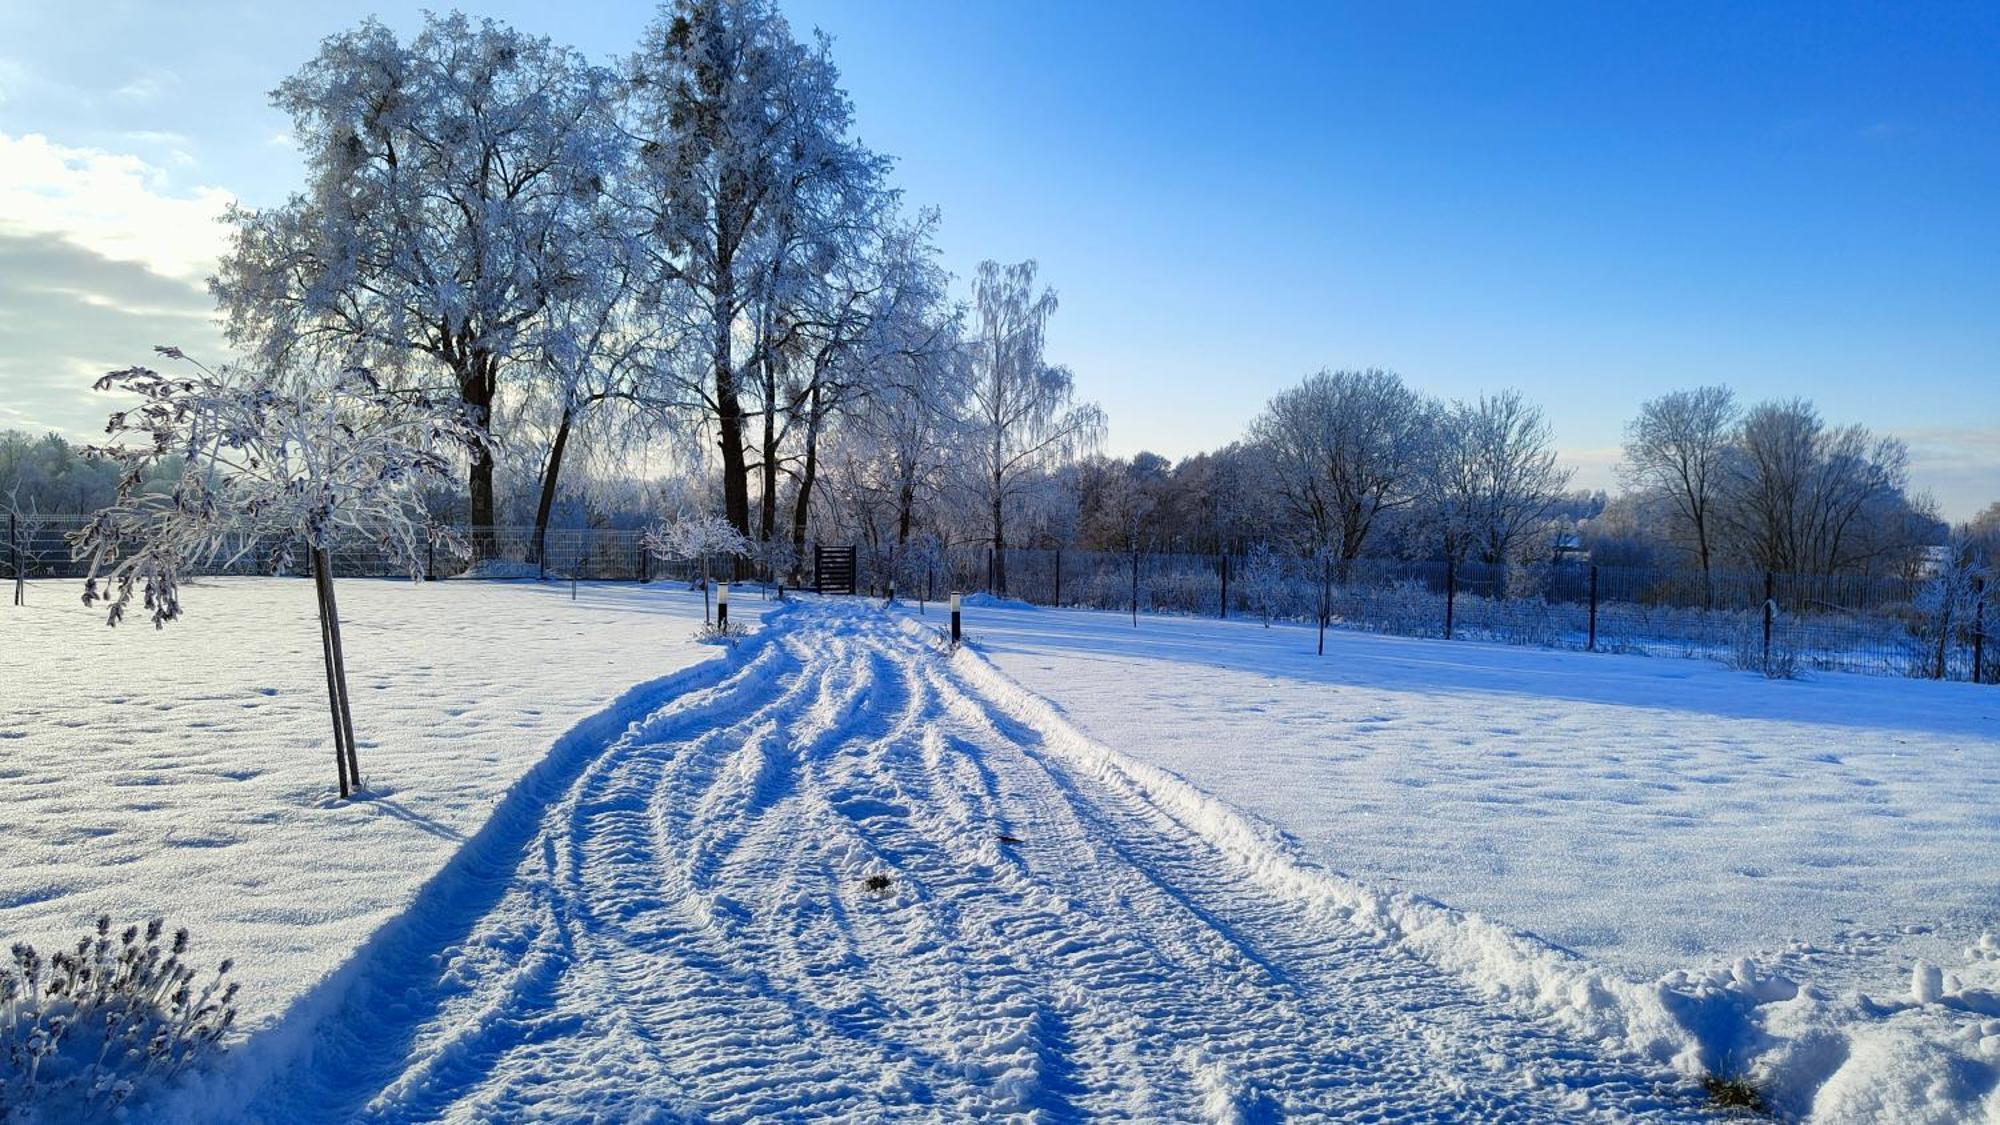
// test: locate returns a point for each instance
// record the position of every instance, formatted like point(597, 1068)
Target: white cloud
point(146, 87)
point(113, 204)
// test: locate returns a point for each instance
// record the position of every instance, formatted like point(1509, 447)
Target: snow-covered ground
point(836, 870)
point(188, 771)
point(855, 877)
point(1653, 815)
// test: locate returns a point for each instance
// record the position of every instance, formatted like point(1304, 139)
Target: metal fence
point(41, 549)
point(1879, 625)
point(1775, 622)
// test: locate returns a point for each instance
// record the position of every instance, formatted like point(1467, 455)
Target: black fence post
point(1325, 598)
point(954, 621)
point(430, 557)
point(1978, 629)
point(1450, 592)
point(1770, 607)
point(1225, 587)
point(1058, 601)
point(1592, 646)
point(14, 553)
point(1135, 587)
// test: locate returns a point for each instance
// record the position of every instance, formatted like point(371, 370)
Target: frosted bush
point(84, 1029)
point(1261, 583)
point(1405, 608)
point(1747, 652)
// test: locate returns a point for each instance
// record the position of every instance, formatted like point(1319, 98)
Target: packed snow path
point(831, 876)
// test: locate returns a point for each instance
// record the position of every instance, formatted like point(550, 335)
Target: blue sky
point(1594, 203)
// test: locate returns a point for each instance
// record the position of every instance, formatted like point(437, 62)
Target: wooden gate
point(833, 570)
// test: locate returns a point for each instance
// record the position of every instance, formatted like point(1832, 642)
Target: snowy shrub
point(1180, 589)
point(1261, 582)
point(714, 633)
point(86, 1028)
point(695, 538)
point(1525, 581)
point(1746, 653)
point(691, 537)
point(1405, 608)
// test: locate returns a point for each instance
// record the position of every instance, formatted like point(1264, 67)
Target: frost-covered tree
point(897, 378)
point(697, 538)
point(1804, 497)
point(454, 179)
point(746, 190)
point(1262, 581)
point(1947, 606)
point(23, 526)
point(1677, 448)
point(1345, 446)
point(1022, 420)
point(274, 460)
point(1491, 478)
point(605, 344)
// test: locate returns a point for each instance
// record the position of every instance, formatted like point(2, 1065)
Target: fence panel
point(1877, 624)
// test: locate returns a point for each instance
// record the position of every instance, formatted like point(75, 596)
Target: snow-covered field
point(1653, 815)
point(608, 872)
point(855, 878)
point(189, 772)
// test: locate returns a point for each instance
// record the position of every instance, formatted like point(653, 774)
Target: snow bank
point(496, 569)
point(1929, 1057)
point(984, 600)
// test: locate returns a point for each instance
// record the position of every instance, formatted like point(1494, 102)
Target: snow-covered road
point(842, 873)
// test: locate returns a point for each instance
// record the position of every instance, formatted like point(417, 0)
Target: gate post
point(1978, 629)
point(1450, 591)
point(1592, 646)
point(1770, 606)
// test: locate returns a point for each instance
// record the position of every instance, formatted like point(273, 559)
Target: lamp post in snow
point(722, 607)
point(954, 621)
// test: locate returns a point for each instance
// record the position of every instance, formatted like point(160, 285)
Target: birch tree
point(1023, 418)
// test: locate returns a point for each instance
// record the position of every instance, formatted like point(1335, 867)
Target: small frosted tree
point(690, 537)
point(24, 531)
point(290, 457)
point(1947, 608)
point(1263, 581)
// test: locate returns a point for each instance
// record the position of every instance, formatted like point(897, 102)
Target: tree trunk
point(906, 503)
point(728, 403)
point(477, 383)
point(345, 759)
point(999, 547)
point(808, 476)
point(767, 471)
point(550, 474)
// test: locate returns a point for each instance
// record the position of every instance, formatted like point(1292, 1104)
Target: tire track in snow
point(686, 930)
